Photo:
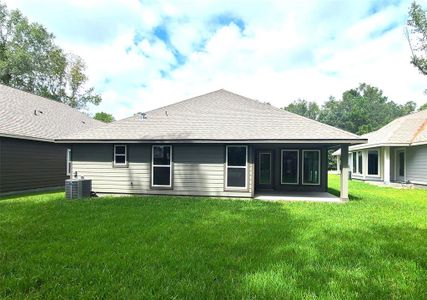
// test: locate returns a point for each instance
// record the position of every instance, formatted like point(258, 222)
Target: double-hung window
point(290, 167)
point(120, 155)
point(236, 167)
point(311, 167)
point(373, 162)
point(161, 166)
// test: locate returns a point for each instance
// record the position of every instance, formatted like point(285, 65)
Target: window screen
point(290, 166)
point(236, 165)
point(311, 167)
point(161, 166)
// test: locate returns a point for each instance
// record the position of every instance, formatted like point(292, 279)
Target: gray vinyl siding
point(196, 170)
point(416, 160)
point(26, 165)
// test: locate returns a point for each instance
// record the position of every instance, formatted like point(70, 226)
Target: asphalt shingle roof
point(407, 130)
point(29, 116)
point(219, 115)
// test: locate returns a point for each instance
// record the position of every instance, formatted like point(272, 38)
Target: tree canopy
point(360, 110)
point(304, 108)
point(104, 117)
point(417, 37)
point(31, 61)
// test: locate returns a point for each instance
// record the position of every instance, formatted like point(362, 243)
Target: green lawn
point(375, 246)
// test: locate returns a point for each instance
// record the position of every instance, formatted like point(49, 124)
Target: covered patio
point(298, 196)
point(297, 172)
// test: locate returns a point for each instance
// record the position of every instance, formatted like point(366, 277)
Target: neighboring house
point(29, 158)
point(217, 144)
point(396, 152)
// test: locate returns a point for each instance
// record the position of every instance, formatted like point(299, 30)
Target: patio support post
point(344, 173)
point(387, 165)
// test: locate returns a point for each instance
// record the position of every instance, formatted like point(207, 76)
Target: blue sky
point(145, 54)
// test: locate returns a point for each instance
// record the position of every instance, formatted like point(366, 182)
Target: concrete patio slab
point(299, 196)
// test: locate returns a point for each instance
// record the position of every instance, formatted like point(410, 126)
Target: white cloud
point(287, 50)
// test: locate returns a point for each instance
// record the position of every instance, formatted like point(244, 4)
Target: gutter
point(24, 137)
point(211, 141)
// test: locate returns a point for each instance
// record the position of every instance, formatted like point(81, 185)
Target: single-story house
point(217, 144)
point(29, 158)
point(396, 152)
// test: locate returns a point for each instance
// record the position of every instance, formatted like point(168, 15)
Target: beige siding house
point(29, 158)
point(217, 144)
point(395, 153)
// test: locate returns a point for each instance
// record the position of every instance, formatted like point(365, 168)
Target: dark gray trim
point(201, 141)
point(25, 137)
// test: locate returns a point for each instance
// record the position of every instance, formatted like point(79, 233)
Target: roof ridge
point(288, 112)
point(44, 98)
point(200, 121)
point(164, 106)
point(419, 130)
point(401, 122)
point(181, 101)
point(252, 100)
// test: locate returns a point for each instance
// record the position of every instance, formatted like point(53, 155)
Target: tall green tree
point(31, 61)
point(104, 117)
point(417, 36)
point(362, 110)
point(304, 108)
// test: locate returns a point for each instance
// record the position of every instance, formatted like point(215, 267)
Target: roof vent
point(142, 115)
point(83, 122)
point(166, 113)
point(37, 112)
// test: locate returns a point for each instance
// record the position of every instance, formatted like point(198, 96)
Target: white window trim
point(281, 166)
point(161, 166)
point(357, 162)
point(379, 163)
point(320, 171)
point(236, 167)
point(68, 161)
point(116, 155)
point(270, 154)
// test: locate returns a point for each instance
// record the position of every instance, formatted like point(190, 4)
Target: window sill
point(230, 189)
point(121, 166)
point(161, 187)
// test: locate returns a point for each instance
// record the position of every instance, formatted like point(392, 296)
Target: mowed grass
point(375, 246)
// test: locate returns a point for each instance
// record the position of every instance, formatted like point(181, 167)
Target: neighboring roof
point(410, 130)
point(213, 117)
point(24, 115)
